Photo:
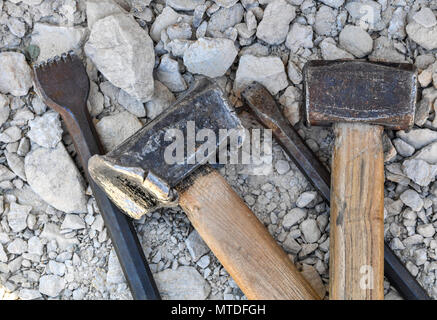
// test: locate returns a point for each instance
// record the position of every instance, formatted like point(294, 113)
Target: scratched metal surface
point(360, 91)
point(205, 104)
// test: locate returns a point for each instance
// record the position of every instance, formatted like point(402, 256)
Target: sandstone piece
point(54, 40)
point(210, 57)
point(131, 104)
point(185, 5)
point(419, 171)
point(184, 283)
point(99, 9)
point(269, 71)
point(167, 17)
point(196, 246)
point(310, 230)
point(330, 51)
point(123, 52)
point(168, 73)
point(51, 285)
point(162, 99)
point(46, 130)
point(114, 129)
point(17, 216)
point(274, 25)
point(425, 37)
point(356, 41)
point(43, 167)
point(299, 36)
point(293, 217)
point(15, 75)
point(412, 199)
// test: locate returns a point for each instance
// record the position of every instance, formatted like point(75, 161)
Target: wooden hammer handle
point(239, 240)
point(357, 213)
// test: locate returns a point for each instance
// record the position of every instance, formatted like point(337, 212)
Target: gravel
point(140, 56)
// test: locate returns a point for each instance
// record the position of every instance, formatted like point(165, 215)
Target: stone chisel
point(63, 85)
point(267, 112)
point(145, 172)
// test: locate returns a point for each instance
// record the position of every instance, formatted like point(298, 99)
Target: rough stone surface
point(299, 36)
point(196, 246)
point(43, 168)
point(210, 57)
point(425, 37)
point(162, 99)
point(15, 77)
point(168, 73)
point(123, 52)
point(412, 199)
point(310, 230)
point(356, 41)
point(17, 216)
point(51, 285)
point(273, 27)
point(46, 130)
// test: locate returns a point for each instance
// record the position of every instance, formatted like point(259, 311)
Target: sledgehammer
point(360, 98)
point(142, 174)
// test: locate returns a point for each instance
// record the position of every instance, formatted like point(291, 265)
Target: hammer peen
point(138, 177)
point(360, 98)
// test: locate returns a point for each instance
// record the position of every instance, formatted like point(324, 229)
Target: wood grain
point(240, 241)
point(357, 213)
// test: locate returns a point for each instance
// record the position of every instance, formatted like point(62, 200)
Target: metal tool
point(63, 84)
point(140, 175)
point(266, 110)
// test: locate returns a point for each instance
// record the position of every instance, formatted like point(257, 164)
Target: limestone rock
point(184, 283)
point(15, 75)
point(333, 3)
point(54, 40)
point(418, 138)
point(428, 153)
point(412, 199)
point(269, 71)
point(306, 198)
point(99, 9)
point(52, 232)
point(210, 57)
point(51, 285)
point(17, 216)
point(167, 17)
point(43, 167)
point(131, 104)
point(419, 171)
point(196, 246)
point(184, 5)
point(325, 21)
point(46, 130)
point(162, 99)
point(16, 164)
point(310, 230)
point(114, 129)
point(168, 73)
point(425, 37)
point(356, 41)
point(73, 222)
point(330, 51)
point(299, 36)
point(115, 273)
point(124, 53)
point(293, 217)
point(274, 25)
point(225, 18)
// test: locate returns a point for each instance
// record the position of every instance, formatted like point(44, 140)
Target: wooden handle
point(357, 213)
point(242, 244)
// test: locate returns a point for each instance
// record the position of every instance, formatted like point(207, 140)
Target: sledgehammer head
point(359, 91)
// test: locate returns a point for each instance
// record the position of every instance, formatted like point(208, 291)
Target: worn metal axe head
point(359, 91)
point(140, 174)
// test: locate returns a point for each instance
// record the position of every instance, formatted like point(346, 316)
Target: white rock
point(226, 3)
point(306, 198)
point(162, 99)
point(6, 174)
point(293, 217)
point(196, 246)
point(310, 230)
point(114, 129)
point(225, 18)
point(73, 222)
point(356, 41)
point(325, 21)
point(426, 230)
point(333, 3)
point(419, 171)
point(290, 245)
point(10, 134)
point(428, 153)
point(131, 104)
point(4, 109)
point(396, 28)
point(43, 167)
point(274, 25)
point(124, 53)
point(412, 199)
point(167, 17)
point(17, 216)
point(210, 57)
point(384, 50)
point(15, 75)
point(52, 232)
point(17, 246)
point(168, 73)
point(299, 36)
point(418, 138)
point(184, 5)
point(46, 130)
point(28, 2)
point(99, 9)
point(294, 73)
point(16, 27)
point(3, 255)
point(56, 268)
point(403, 148)
point(203, 262)
point(51, 285)
point(425, 37)
point(16, 164)
point(95, 100)
point(330, 51)
point(29, 294)
point(184, 283)
point(425, 17)
point(269, 71)
point(35, 246)
point(282, 166)
point(54, 40)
